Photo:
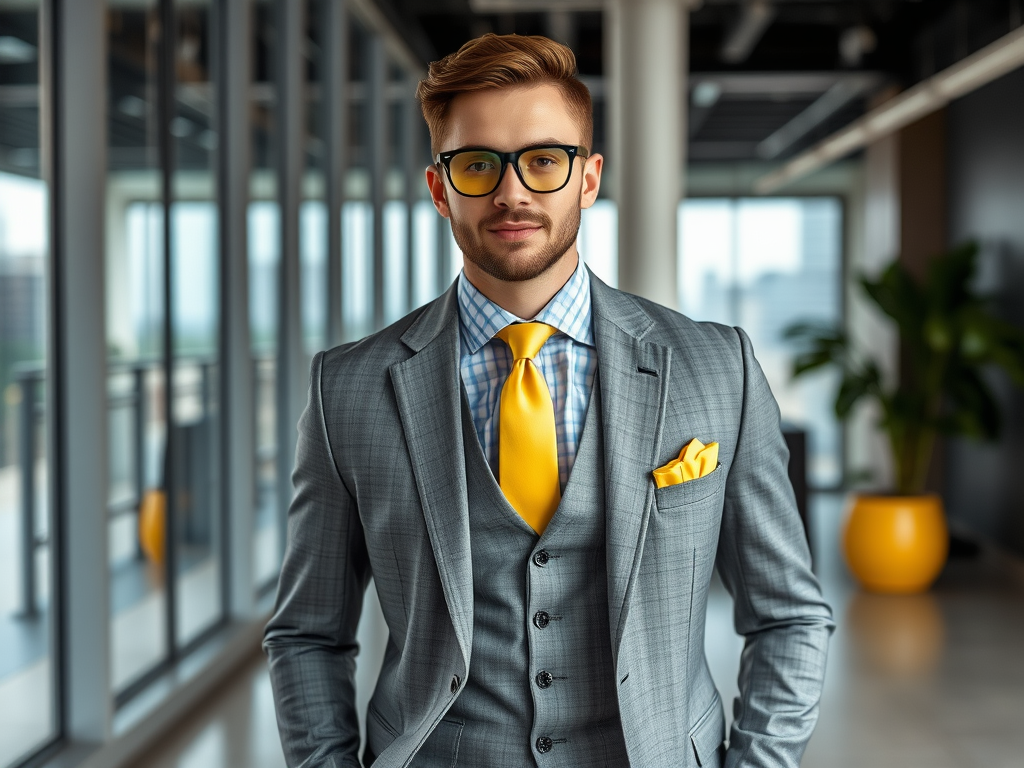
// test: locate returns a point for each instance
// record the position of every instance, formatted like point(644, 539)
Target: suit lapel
point(633, 392)
point(427, 387)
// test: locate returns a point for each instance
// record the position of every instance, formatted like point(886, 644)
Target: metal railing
point(30, 378)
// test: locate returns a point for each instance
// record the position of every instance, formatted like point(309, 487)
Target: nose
point(510, 192)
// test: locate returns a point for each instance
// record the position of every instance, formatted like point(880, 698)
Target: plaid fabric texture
point(568, 361)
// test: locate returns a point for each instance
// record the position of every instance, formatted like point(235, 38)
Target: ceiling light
point(706, 94)
point(14, 50)
point(980, 68)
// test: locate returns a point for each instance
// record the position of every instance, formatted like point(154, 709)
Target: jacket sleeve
point(311, 638)
point(764, 561)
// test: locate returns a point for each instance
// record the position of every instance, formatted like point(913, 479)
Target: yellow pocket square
point(695, 460)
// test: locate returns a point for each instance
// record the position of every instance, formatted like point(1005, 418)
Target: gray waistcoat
point(541, 684)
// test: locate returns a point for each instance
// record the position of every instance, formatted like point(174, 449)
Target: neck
point(525, 298)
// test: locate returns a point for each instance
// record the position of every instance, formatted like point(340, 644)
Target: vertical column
point(336, 109)
point(237, 386)
point(291, 366)
point(79, 364)
point(648, 49)
point(377, 137)
point(413, 162)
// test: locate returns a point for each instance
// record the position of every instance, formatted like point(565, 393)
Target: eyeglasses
point(476, 172)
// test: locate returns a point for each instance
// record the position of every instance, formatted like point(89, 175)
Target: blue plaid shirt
point(568, 361)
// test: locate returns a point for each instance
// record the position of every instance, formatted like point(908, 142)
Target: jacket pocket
point(379, 734)
point(441, 747)
point(690, 492)
point(708, 736)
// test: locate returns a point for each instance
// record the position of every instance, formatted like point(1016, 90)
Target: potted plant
point(898, 542)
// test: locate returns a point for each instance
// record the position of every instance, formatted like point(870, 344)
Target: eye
point(544, 161)
point(480, 166)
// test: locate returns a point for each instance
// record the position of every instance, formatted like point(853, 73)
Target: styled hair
point(498, 61)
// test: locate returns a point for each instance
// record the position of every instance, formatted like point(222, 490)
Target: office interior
point(198, 195)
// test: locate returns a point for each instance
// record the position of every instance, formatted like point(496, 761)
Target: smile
point(514, 232)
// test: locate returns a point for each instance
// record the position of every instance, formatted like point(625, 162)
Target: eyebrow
point(535, 143)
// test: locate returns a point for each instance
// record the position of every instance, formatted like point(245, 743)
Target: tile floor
point(930, 681)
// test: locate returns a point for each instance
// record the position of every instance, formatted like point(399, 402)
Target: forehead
point(510, 118)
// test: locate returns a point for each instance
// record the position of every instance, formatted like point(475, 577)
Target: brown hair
point(497, 61)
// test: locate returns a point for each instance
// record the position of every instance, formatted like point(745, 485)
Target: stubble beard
point(505, 262)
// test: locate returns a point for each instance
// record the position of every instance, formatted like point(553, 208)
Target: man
point(490, 461)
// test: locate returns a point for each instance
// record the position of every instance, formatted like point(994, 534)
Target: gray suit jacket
point(380, 490)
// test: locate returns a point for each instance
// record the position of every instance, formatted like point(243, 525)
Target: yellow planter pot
point(896, 544)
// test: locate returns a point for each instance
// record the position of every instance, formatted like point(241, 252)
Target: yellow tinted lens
point(545, 169)
point(475, 173)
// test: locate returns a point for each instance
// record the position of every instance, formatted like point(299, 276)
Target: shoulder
point(657, 324)
point(373, 355)
point(676, 330)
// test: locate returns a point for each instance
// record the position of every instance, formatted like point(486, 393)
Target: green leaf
point(972, 409)
point(896, 294)
point(851, 390)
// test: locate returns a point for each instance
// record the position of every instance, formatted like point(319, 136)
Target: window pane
point(195, 269)
point(313, 211)
point(27, 652)
point(425, 226)
point(599, 240)
point(264, 243)
point(763, 264)
point(136, 317)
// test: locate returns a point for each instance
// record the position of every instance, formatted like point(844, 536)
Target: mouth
point(514, 232)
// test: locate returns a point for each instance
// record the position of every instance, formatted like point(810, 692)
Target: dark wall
point(985, 482)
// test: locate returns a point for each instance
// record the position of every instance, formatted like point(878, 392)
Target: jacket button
point(541, 619)
point(544, 744)
point(455, 683)
point(544, 679)
point(541, 558)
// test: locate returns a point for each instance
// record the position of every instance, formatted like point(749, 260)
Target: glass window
point(396, 207)
point(426, 224)
point(264, 244)
point(136, 318)
point(763, 264)
point(195, 270)
point(313, 210)
point(598, 241)
point(357, 211)
point(27, 648)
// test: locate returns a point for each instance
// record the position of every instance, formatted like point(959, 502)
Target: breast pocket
point(671, 498)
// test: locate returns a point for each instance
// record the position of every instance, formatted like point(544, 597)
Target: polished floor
point(929, 681)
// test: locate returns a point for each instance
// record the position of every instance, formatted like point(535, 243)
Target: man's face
point(514, 234)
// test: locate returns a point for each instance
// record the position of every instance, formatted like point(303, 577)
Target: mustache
point(516, 217)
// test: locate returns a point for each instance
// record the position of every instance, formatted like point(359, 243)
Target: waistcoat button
point(455, 683)
point(541, 558)
point(544, 744)
point(544, 679)
point(541, 619)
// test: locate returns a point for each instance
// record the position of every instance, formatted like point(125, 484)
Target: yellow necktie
point(527, 448)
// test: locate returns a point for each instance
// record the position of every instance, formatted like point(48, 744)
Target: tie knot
point(526, 339)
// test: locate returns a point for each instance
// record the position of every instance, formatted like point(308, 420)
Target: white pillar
point(237, 398)
point(79, 358)
point(648, 52)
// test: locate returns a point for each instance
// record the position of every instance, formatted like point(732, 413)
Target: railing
point(30, 379)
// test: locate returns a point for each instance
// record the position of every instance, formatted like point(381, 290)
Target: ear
point(591, 180)
point(438, 194)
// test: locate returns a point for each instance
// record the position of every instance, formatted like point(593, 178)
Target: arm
point(764, 562)
point(311, 638)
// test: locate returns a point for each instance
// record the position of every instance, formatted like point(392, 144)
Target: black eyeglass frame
point(444, 159)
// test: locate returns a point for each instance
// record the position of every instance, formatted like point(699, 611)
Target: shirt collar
point(568, 311)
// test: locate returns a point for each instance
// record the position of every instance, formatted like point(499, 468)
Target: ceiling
point(768, 77)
